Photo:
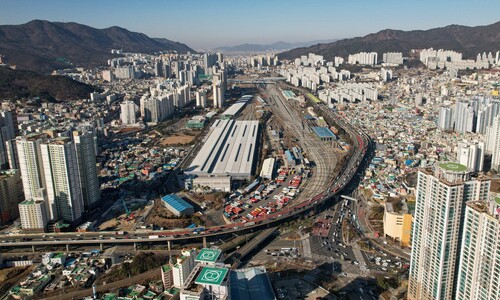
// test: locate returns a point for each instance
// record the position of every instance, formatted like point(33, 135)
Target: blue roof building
point(289, 158)
point(324, 133)
point(177, 205)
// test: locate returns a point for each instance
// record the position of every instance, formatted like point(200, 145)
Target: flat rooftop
point(208, 255)
point(324, 132)
point(453, 166)
point(212, 276)
point(234, 109)
point(229, 149)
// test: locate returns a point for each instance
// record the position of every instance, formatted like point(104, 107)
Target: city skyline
point(257, 21)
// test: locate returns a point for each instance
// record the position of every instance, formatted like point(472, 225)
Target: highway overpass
point(101, 239)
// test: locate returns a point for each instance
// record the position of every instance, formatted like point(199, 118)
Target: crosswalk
point(306, 247)
point(361, 259)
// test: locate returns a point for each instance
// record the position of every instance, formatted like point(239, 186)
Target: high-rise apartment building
point(479, 264)
point(30, 163)
point(127, 112)
point(201, 98)
point(209, 60)
point(11, 194)
point(7, 133)
point(436, 231)
point(86, 156)
point(33, 215)
point(493, 143)
point(157, 108)
point(64, 193)
point(183, 267)
point(471, 154)
point(218, 94)
point(445, 120)
point(395, 58)
point(167, 276)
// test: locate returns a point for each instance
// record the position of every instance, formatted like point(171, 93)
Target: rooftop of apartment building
point(396, 206)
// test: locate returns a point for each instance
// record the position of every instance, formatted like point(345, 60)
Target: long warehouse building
point(229, 150)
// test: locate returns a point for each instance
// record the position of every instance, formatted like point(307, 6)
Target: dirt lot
point(177, 140)
point(162, 217)
point(495, 186)
point(118, 223)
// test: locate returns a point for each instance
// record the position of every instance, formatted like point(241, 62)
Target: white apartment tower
point(33, 215)
point(479, 265)
point(445, 120)
point(471, 154)
point(127, 112)
point(185, 264)
point(201, 98)
point(493, 143)
point(218, 94)
point(30, 163)
point(64, 193)
point(86, 157)
point(440, 201)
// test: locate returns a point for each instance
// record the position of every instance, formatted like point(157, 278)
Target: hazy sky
point(208, 24)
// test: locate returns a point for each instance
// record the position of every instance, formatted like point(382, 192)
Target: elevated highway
point(100, 239)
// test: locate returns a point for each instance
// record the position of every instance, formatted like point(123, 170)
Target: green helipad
point(208, 255)
point(497, 200)
point(210, 275)
point(453, 166)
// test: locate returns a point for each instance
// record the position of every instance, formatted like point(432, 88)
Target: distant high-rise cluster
point(473, 115)
point(448, 59)
point(363, 58)
point(159, 104)
point(262, 61)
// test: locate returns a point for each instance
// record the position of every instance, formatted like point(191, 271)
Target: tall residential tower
point(479, 265)
point(436, 232)
point(86, 157)
point(64, 192)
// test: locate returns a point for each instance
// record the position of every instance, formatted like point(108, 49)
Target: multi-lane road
point(328, 187)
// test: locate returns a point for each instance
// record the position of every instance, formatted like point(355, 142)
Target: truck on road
point(198, 230)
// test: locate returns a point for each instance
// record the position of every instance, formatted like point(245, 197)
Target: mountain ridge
point(279, 45)
point(464, 39)
point(41, 45)
point(24, 84)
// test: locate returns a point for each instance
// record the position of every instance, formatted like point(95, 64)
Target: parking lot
point(267, 196)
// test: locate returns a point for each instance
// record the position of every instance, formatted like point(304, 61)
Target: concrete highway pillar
point(135, 246)
point(33, 248)
point(204, 242)
point(169, 245)
point(67, 247)
point(101, 246)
